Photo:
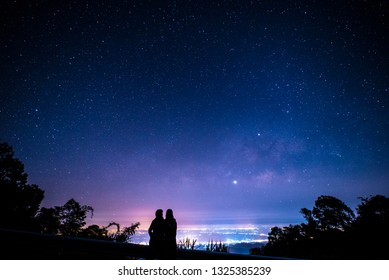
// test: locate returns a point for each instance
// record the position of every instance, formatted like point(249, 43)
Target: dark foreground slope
point(20, 245)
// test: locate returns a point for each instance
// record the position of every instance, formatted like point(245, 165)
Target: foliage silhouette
point(329, 213)
point(19, 201)
point(20, 207)
point(372, 225)
point(122, 235)
point(187, 244)
point(373, 211)
point(48, 220)
point(95, 232)
point(216, 247)
point(333, 232)
point(64, 220)
point(69, 219)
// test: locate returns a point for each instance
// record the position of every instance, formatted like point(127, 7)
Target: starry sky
point(228, 112)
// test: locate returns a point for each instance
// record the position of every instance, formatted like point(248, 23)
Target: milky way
point(225, 111)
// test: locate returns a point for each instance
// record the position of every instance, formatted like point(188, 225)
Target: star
point(173, 99)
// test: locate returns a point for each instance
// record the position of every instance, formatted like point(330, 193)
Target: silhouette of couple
point(162, 234)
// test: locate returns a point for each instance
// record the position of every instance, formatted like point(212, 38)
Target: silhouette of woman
point(157, 235)
point(171, 232)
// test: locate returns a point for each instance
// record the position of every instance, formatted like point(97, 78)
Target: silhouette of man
point(157, 235)
point(171, 232)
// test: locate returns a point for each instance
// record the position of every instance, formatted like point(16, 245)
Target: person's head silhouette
point(159, 213)
point(169, 214)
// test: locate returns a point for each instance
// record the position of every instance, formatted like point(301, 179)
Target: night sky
point(225, 111)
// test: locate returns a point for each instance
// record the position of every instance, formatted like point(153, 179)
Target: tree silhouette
point(48, 220)
point(333, 232)
point(65, 220)
point(288, 241)
point(373, 211)
point(19, 201)
point(68, 219)
point(328, 213)
point(20, 207)
point(275, 235)
point(372, 226)
point(72, 217)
